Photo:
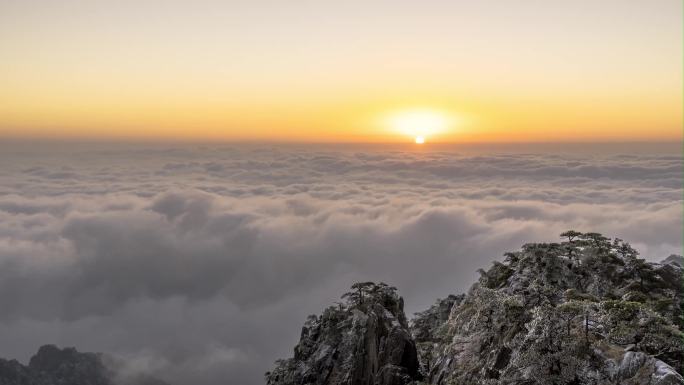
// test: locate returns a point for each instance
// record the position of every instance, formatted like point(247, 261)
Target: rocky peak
point(69, 364)
point(674, 259)
point(573, 312)
point(54, 366)
point(586, 310)
point(364, 340)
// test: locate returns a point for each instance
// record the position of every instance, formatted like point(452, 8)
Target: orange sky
point(330, 71)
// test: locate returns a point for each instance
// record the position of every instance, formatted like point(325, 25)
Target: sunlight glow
point(267, 71)
point(419, 123)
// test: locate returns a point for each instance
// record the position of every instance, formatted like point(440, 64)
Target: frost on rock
point(429, 331)
point(586, 310)
point(365, 340)
point(664, 374)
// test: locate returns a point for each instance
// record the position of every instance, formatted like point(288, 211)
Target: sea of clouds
point(199, 263)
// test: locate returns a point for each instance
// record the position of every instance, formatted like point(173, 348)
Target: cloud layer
point(201, 262)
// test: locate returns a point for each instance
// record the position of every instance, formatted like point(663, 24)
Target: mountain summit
point(365, 340)
point(54, 366)
point(586, 310)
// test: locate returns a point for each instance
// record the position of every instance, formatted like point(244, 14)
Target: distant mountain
point(586, 310)
point(675, 260)
point(54, 366)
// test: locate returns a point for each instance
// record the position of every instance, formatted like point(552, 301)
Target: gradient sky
point(331, 71)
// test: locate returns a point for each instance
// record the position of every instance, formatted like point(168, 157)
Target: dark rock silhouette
point(54, 366)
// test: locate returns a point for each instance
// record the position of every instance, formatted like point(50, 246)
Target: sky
point(324, 71)
point(183, 183)
point(198, 263)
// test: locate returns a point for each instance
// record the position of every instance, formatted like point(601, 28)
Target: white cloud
point(212, 257)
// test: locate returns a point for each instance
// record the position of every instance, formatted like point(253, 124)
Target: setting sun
point(419, 123)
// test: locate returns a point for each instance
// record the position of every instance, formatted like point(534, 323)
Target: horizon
point(406, 142)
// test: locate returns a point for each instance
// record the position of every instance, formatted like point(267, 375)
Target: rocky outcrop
point(637, 368)
point(54, 366)
point(364, 341)
point(429, 331)
point(584, 311)
point(675, 260)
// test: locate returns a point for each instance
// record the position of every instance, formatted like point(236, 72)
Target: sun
point(418, 124)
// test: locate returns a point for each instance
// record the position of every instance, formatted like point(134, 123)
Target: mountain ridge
point(67, 366)
point(586, 310)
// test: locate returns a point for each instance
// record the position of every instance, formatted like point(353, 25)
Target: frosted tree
point(632, 323)
point(360, 290)
point(550, 352)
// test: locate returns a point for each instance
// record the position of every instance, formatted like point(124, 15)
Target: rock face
point(639, 368)
point(429, 330)
point(583, 311)
point(364, 341)
point(54, 366)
